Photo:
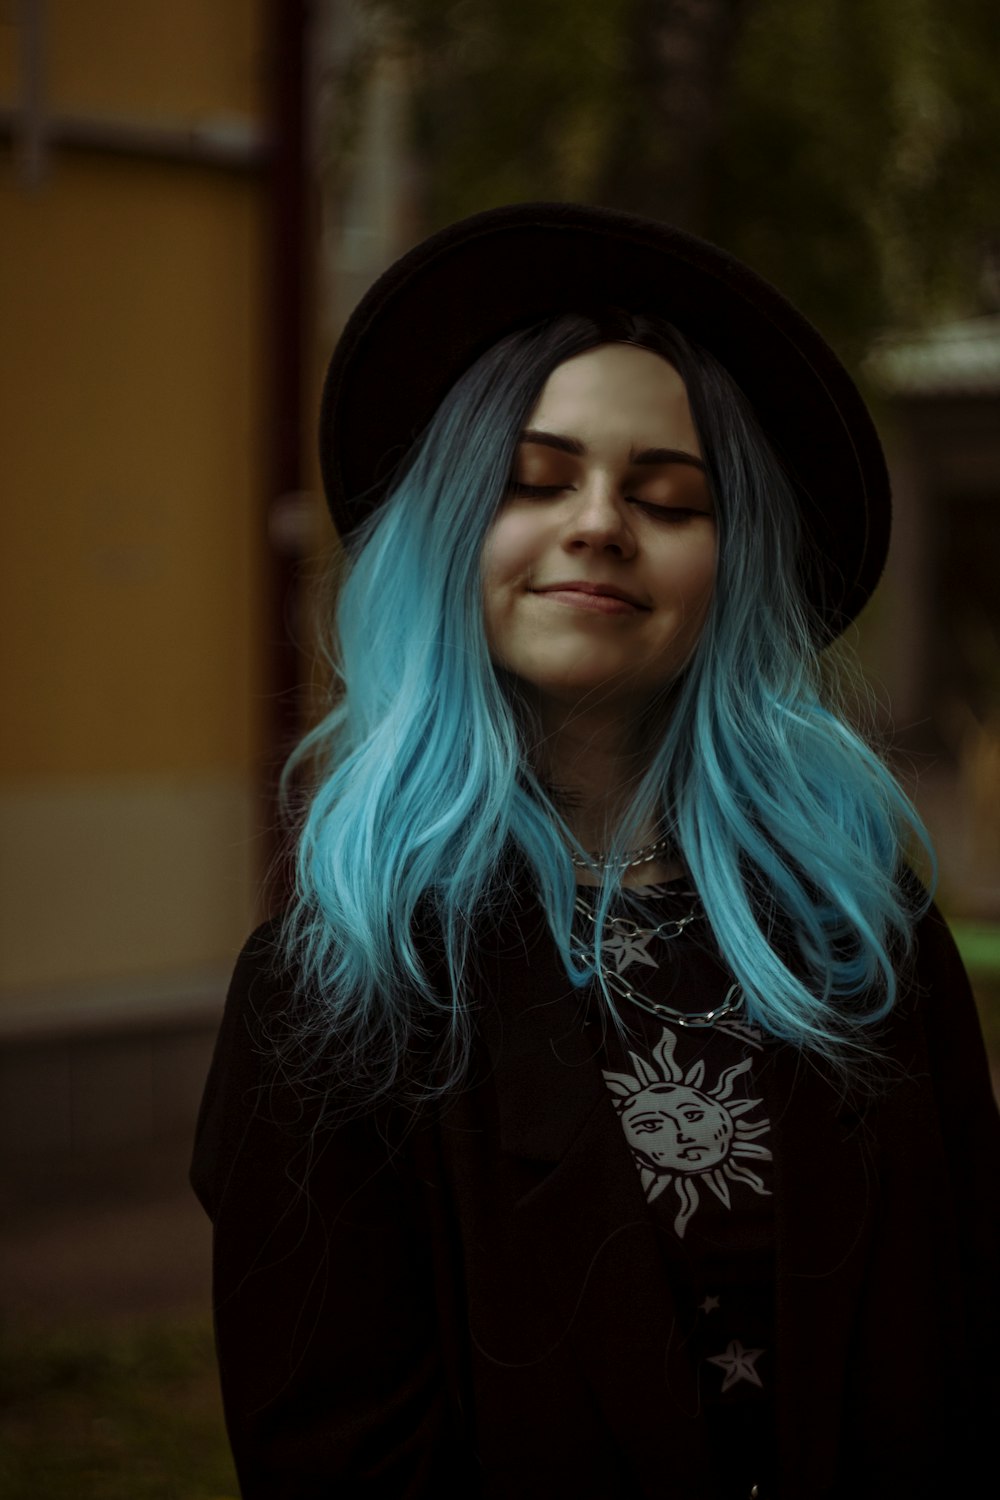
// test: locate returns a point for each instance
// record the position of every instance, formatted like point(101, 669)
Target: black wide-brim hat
point(435, 311)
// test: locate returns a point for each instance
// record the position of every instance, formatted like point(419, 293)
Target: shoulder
point(261, 995)
point(283, 1085)
point(935, 976)
point(932, 975)
point(936, 995)
point(260, 981)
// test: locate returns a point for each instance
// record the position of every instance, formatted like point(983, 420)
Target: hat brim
point(435, 311)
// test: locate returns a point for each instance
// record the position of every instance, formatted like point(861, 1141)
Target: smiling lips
point(601, 598)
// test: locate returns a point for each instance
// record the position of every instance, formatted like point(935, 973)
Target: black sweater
point(479, 1304)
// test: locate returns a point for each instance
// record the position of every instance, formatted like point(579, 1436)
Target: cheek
point(508, 561)
point(498, 567)
point(690, 580)
point(509, 547)
point(704, 583)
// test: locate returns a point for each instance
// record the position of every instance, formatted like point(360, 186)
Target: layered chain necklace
point(584, 950)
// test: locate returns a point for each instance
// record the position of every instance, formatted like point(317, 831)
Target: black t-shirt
point(690, 1101)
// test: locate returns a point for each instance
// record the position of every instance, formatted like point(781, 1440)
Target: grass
point(979, 945)
point(101, 1414)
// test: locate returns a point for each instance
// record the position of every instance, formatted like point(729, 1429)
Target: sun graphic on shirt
point(684, 1134)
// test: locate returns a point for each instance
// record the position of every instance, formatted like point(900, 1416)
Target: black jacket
point(477, 1305)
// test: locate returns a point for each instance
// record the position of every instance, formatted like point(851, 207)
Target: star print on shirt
point(630, 948)
point(738, 1364)
point(709, 1305)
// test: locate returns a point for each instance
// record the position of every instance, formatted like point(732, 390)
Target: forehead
point(666, 1097)
point(619, 391)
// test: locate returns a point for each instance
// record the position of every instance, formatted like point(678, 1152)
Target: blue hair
point(423, 799)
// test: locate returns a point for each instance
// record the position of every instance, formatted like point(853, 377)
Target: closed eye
point(672, 513)
point(536, 491)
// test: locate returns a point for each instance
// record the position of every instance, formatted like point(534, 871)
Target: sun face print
point(683, 1134)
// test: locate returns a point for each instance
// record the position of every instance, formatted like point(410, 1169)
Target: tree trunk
point(673, 97)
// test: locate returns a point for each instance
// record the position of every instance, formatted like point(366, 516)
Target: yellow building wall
point(131, 496)
point(144, 58)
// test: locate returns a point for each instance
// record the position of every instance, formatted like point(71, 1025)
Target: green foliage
point(95, 1414)
point(854, 156)
point(858, 166)
point(513, 99)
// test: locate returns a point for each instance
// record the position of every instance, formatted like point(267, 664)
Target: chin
point(592, 690)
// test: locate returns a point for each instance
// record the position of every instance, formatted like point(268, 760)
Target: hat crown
point(454, 295)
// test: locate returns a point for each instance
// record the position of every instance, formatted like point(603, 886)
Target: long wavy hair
point(423, 802)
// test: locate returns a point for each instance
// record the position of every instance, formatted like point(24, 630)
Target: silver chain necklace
point(667, 930)
point(628, 861)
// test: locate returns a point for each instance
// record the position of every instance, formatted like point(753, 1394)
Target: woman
point(608, 1115)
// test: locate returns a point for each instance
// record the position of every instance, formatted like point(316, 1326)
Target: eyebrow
point(578, 449)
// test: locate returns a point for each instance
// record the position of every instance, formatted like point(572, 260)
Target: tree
point(857, 164)
point(663, 133)
point(845, 148)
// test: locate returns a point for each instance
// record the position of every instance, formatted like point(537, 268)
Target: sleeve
point(970, 1128)
point(332, 1373)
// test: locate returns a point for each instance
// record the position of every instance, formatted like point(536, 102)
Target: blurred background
point(193, 195)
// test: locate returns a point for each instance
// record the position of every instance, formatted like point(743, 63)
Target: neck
point(593, 761)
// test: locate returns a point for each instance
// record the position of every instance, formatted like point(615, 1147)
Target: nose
point(599, 521)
